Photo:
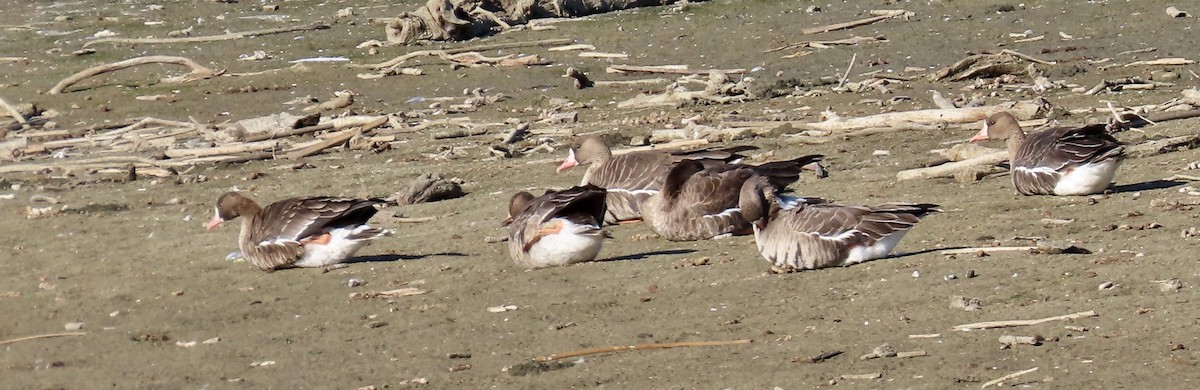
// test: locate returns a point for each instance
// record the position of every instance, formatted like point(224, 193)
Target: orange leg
point(554, 228)
point(320, 240)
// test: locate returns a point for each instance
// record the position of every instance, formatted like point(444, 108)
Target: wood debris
point(389, 294)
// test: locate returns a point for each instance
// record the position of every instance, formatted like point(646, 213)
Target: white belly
point(336, 251)
point(1088, 179)
point(566, 247)
point(879, 250)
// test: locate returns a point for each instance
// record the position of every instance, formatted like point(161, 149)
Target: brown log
point(951, 169)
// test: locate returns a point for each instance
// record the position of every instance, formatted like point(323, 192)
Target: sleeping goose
point(557, 228)
point(631, 178)
point(819, 235)
point(1058, 161)
point(299, 232)
point(698, 203)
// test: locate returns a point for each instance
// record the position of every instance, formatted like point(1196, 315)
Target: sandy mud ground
point(162, 308)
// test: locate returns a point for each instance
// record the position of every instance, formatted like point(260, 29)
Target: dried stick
point(851, 24)
point(669, 69)
point(623, 83)
point(818, 358)
point(950, 169)
point(198, 71)
point(854, 40)
point(422, 219)
point(222, 150)
point(290, 132)
point(963, 251)
point(1021, 109)
point(1012, 323)
point(333, 140)
point(1026, 57)
point(1000, 380)
point(12, 111)
point(213, 38)
point(433, 53)
point(842, 82)
point(40, 336)
point(639, 347)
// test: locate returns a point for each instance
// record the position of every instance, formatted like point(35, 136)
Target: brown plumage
point(557, 228)
point(816, 235)
point(698, 203)
point(633, 177)
point(1059, 161)
point(299, 232)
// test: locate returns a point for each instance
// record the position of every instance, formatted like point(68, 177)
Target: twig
point(222, 150)
point(670, 69)
point(964, 251)
point(846, 75)
point(397, 293)
point(421, 219)
point(925, 336)
point(1000, 380)
point(198, 71)
point(951, 169)
point(854, 40)
point(289, 132)
point(334, 140)
point(433, 53)
point(1026, 57)
point(855, 23)
point(1012, 323)
point(212, 38)
point(639, 347)
point(818, 358)
point(41, 336)
point(1162, 62)
point(12, 111)
point(623, 83)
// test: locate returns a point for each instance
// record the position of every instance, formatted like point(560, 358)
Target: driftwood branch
point(1020, 109)
point(883, 15)
point(198, 72)
point(640, 347)
point(985, 249)
point(1000, 380)
point(212, 38)
point(222, 150)
point(952, 169)
point(1012, 323)
point(668, 69)
point(437, 53)
point(40, 336)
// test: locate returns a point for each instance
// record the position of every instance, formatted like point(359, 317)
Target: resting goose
point(299, 232)
point(557, 228)
point(698, 203)
point(1058, 161)
point(633, 177)
point(820, 235)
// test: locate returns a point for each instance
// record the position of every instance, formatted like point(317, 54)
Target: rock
point(73, 326)
point(964, 303)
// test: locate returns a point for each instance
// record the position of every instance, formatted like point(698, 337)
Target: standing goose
point(299, 232)
point(1058, 161)
point(557, 228)
point(698, 203)
point(820, 235)
point(631, 178)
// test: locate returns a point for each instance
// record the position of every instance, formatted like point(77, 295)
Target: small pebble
point(950, 277)
point(1106, 286)
point(971, 274)
point(879, 153)
point(355, 282)
point(916, 274)
point(502, 308)
point(73, 326)
point(213, 340)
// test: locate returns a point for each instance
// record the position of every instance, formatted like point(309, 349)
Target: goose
point(698, 203)
point(299, 232)
point(815, 235)
point(631, 178)
point(557, 228)
point(1059, 161)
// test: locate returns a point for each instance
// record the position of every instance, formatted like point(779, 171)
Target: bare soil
point(145, 279)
